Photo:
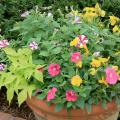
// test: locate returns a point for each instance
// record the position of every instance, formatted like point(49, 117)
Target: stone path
point(5, 116)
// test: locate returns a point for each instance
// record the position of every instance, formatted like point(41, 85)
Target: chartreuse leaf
point(17, 77)
point(30, 89)
point(22, 96)
point(10, 94)
point(38, 75)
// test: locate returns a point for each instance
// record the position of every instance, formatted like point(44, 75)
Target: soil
point(23, 111)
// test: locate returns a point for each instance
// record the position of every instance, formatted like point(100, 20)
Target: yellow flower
point(116, 28)
point(115, 68)
point(113, 20)
point(117, 53)
point(93, 71)
point(103, 81)
point(99, 11)
point(95, 63)
point(89, 9)
point(79, 64)
point(103, 60)
point(76, 80)
point(74, 42)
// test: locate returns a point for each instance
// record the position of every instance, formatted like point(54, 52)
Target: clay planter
point(45, 112)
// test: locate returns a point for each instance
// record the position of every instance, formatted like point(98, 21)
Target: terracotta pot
point(45, 112)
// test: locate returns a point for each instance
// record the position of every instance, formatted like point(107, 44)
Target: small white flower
point(77, 20)
point(33, 45)
point(50, 15)
point(96, 54)
point(25, 14)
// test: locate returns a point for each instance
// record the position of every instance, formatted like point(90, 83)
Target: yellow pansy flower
point(113, 20)
point(95, 63)
point(103, 60)
point(99, 11)
point(89, 9)
point(79, 64)
point(103, 81)
point(76, 80)
point(93, 71)
point(116, 28)
point(74, 42)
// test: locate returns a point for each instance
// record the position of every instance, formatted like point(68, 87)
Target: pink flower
point(4, 43)
point(33, 45)
point(76, 57)
point(83, 40)
point(51, 94)
point(111, 76)
point(54, 69)
point(71, 95)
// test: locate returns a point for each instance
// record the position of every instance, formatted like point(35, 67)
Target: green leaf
point(80, 103)
point(44, 53)
point(89, 108)
point(69, 104)
point(58, 107)
point(22, 96)
point(42, 95)
point(104, 104)
point(57, 50)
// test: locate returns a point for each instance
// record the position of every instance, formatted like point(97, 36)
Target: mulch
point(23, 111)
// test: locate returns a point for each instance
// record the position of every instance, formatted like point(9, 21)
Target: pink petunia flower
point(83, 40)
point(111, 76)
point(51, 94)
point(54, 69)
point(33, 45)
point(76, 57)
point(71, 95)
point(2, 67)
point(4, 43)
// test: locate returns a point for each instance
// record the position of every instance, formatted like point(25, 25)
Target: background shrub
point(10, 10)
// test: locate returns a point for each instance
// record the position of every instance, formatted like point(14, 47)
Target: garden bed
point(22, 112)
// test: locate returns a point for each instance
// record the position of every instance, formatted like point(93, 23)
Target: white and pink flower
point(33, 45)
point(4, 43)
point(83, 40)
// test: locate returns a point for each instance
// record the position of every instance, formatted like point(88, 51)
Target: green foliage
point(20, 75)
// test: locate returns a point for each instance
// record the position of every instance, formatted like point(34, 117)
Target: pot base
point(112, 116)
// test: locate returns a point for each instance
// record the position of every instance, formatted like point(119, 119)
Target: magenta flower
point(33, 45)
point(4, 43)
point(54, 69)
point(71, 95)
point(51, 94)
point(2, 67)
point(76, 57)
point(111, 76)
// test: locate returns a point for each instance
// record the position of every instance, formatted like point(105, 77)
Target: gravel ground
point(23, 111)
